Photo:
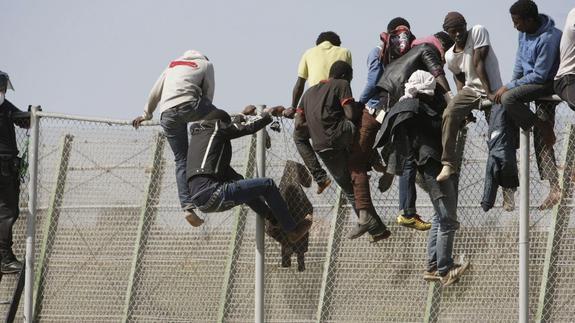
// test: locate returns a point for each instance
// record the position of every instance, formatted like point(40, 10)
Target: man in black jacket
point(9, 177)
point(426, 57)
point(215, 186)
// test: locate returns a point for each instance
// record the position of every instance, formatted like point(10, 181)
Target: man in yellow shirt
point(314, 67)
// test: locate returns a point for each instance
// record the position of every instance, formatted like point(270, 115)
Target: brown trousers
point(359, 160)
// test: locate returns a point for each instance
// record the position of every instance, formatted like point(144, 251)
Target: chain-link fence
point(112, 243)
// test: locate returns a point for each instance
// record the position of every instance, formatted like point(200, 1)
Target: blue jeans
point(407, 191)
point(443, 196)
point(260, 194)
point(175, 121)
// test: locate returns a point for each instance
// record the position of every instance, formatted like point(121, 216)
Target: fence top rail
point(550, 98)
point(93, 119)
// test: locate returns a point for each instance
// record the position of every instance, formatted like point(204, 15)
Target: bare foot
point(446, 171)
point(508, 199)
point(551, 200)
point(547, 132)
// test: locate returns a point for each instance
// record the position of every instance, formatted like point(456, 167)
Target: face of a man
point(400, 41)
point(458, 34)
point(524, 25)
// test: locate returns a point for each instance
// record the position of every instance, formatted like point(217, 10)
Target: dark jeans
point(565, 88)
point(515, 102)
point(260, 194)
point(336, 161)
point(407, 190)
point(304, 148)
point(441, 236)
point(175, 121)
point(9, 199)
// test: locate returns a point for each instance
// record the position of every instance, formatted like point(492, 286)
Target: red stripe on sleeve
point(184, 63)
point(346, 101)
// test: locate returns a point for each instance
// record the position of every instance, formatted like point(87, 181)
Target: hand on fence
point(138, 121)
point(499, 94)
point(249, 110)
point(289, 113)
point(275, 111)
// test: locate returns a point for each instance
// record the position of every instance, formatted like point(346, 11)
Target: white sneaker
point(446, 171)
point(454, 273)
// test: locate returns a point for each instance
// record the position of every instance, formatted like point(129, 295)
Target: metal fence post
point(51, 220)
point(31, 223)
point(260, 252)
point(147, 215)
point(524, 227)
point(237, 237)
point(559, 224)
point(333, 246)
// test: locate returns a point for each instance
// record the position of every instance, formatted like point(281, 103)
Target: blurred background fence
point(112, 243)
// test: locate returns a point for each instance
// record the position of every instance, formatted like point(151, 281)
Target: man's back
point(322, 106)
point(315, 63)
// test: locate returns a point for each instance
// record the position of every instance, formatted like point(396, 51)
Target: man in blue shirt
point(535, 67)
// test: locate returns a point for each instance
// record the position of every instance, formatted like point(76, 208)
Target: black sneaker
point(10, 265)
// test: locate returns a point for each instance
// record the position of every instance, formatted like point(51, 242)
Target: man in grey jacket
point(183, 93)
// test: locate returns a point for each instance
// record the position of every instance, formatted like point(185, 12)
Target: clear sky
point(100, 58)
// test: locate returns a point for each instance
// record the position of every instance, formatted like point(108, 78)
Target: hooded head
point(192, 54)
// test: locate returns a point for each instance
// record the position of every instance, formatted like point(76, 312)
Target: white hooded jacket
point(186, 79)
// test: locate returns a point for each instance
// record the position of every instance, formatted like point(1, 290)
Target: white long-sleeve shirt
point(186, 79)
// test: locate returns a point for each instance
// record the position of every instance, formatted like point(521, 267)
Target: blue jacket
point(537, 58)
point(501, 169)
point(374, 71)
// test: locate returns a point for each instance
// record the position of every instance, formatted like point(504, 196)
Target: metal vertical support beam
point(31, 223)
point(51, 221)
point(147, 214)
point(524, 227)
point(260, 241)
point(333, 245)
point(237, 236)
point(559, 222)
point(433, 304)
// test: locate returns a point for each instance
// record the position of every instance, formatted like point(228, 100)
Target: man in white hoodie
point(183, 94)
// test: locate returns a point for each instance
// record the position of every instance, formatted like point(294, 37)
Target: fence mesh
point(112, 243)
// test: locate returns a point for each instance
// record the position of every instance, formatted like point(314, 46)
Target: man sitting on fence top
point(329, 110)
point(535, 67)
point(183, 93)
point(476, 72)
point(216, 187)
point(565, 79)
point(9, 177)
